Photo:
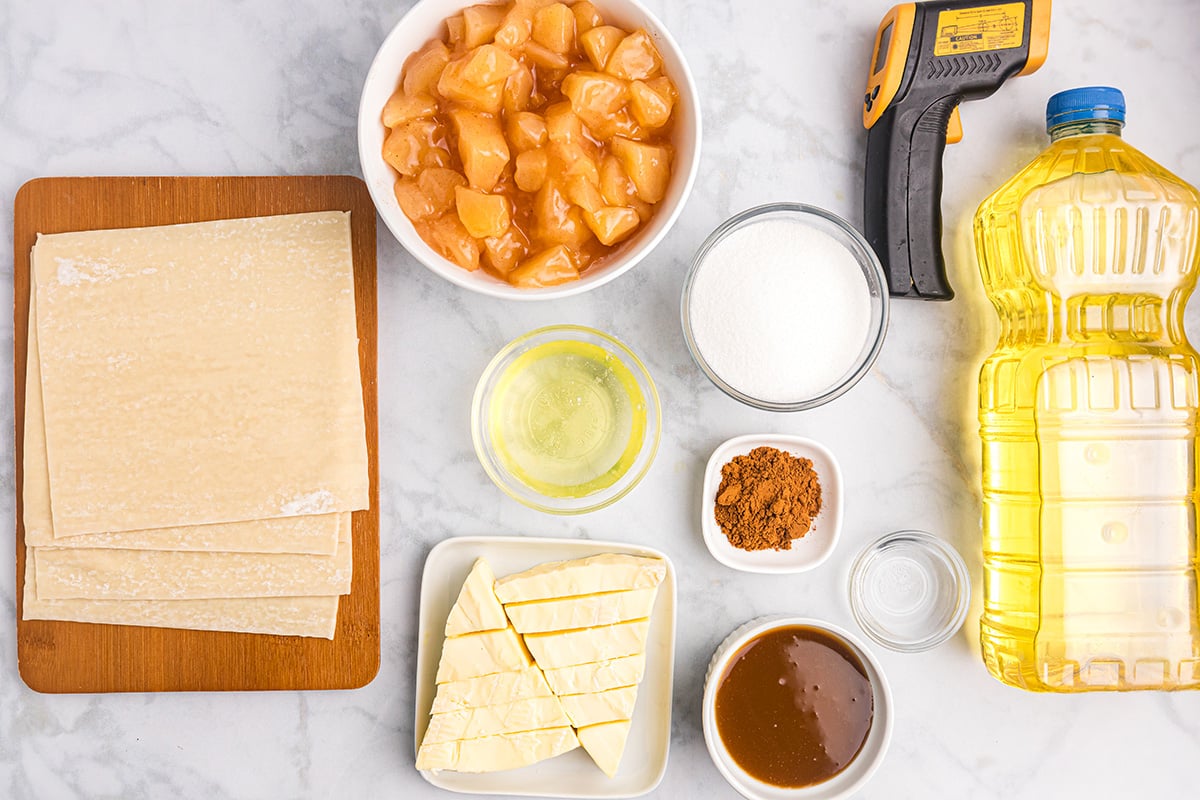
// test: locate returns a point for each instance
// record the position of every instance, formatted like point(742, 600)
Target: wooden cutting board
point(76, 657)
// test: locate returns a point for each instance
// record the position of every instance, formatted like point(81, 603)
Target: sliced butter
point(582, 612)
point(597, 707)
point(598, 676)
point(605, 743)
point(490, 690)
point(477, 608)
point(529, 714)
point(481, 654)
point(495, 753)
point(608, 572)
point(567, 648)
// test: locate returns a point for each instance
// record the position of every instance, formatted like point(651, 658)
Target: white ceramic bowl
point(807, 552)
point(422, 23)
point(856, 773)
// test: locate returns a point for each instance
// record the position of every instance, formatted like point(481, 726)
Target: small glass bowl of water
point(566, 419)
point(909, 591)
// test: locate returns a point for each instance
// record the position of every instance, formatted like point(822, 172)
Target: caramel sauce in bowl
point(795, 709)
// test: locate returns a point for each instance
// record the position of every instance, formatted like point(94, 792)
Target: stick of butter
point(488, 690)
point(587, 611)
point(483, 653)
point(597, 676)
point(494, 753)
point(605, 743)
point(567, 648)
point(608, 572)
point(596, 707)
point(477, 608)
point(526, 714)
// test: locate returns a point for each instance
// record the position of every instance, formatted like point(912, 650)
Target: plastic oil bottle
point(1088, 411)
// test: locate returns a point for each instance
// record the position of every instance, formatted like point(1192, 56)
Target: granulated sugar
point(780, 310)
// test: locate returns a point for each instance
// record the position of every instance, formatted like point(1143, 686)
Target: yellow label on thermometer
point(976, 30)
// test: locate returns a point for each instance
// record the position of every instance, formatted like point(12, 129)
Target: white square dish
point(572, 774)
point(807, 552)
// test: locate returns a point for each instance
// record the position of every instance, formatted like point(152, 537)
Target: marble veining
point(271, 87)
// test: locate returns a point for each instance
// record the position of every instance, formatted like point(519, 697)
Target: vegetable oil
point(568, 418)
point(1088, 414)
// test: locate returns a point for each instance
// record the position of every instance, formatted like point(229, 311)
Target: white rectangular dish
point(571, 774)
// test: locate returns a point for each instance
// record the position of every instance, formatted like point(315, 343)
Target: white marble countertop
point(271, 87)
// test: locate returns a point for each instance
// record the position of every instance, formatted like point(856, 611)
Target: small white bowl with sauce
point(807, 552)
point(854, 774)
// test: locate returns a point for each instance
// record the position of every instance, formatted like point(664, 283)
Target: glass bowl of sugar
point(785, 307)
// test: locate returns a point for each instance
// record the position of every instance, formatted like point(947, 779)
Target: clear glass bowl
point(909, 591)
point(488, 449)
point(844, 234)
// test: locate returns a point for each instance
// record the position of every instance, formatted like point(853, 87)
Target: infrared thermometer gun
point(928, 58)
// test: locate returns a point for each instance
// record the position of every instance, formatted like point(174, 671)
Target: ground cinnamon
point(767, 499)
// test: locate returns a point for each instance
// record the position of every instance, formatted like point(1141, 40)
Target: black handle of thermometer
point(903, 212)
point(929, 57)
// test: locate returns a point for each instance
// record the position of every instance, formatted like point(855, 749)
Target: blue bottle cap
point(1085, 103)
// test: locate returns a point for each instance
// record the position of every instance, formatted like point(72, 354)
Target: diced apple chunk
point(480, 23)
point(611, 224)
point(547, 268)
point(615, 184)
point(648, 166)
point(454, 86)
point(411, 146)
point(526, 131)
point(648, 106)
point(573, 158)
point(415, 204)
point(481, 147)
point(402, 107)
point(516, 27)
point(619, 123)
point(503, 252)
point(563, 124)
point(644, 210)
point(448, 237)
point(438, 184)
point(600, 42)
point(663, 86)
point(482, 214)
point(424, 67)
point(556, 220)
point(531, 167)
point(518, 90)
point(544, 57)
point(595, 96)
point(554, 28)
point(583, 193)
point(487, 65)
point(456, 30)
point(587, 16)
point(635, 58)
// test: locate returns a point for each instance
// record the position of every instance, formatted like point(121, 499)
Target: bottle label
point(976, 30)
